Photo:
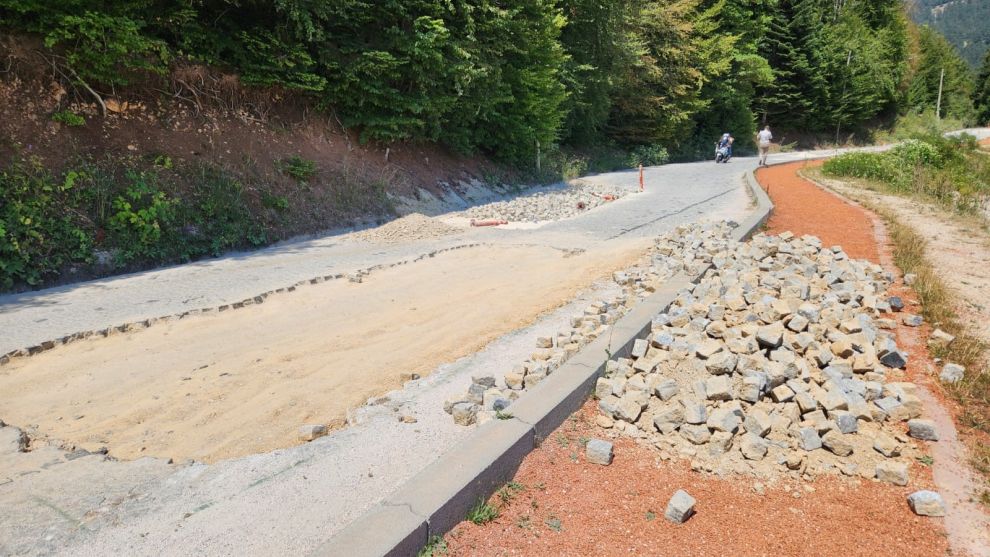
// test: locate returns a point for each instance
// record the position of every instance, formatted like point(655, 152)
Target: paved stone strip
point(356, 276)
point(436, 499)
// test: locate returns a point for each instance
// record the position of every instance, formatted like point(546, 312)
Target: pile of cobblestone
point(782, 360)
point(547, 205)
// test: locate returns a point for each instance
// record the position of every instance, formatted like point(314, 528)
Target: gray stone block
point(926, 503)
point(680, 508)
point(599, 451)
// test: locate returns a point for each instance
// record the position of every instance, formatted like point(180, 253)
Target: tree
point(981, 94)
point(935, 55)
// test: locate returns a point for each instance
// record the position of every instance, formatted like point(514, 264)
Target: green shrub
point(914, 152)
point(648, 155)
point(302, 170)
point(68, 118)
point(143, 220)
point(39, 232)
point(869, 166)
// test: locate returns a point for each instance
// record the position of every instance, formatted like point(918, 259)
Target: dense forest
point(578, 84)
point(963, 22)
point(502, 78)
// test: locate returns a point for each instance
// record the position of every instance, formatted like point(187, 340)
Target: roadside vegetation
point(948, 171)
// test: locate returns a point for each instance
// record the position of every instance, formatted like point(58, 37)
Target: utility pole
point(538, 156)
point(938, 104)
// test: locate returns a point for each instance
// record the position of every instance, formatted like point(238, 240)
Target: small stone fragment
point(922, 429)
point(926, 503)
point(952, 373)
point(312, 431)
point(680, 508)
point(465, 413)
point(836, 443)
point(808, 439)
point(599, 451)
point(753, 447)
point(891, 471)
point(886, 445)
point(913, 320)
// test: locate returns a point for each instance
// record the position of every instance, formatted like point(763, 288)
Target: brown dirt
point(241, 382)
point(619, 509)
point(802, 208)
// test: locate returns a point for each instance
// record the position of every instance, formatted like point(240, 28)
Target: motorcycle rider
point(726, 142)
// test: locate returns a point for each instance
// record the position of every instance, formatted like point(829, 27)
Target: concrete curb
point(436, 499)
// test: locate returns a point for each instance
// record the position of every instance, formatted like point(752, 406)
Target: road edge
point(436, 499)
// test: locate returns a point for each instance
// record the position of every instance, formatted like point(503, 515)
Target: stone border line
point(354, 276)
point(436, 499)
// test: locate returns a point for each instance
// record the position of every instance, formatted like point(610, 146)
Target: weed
point(68, 118)
point(562, 440)
point(302, 170)
point(435, 546)
point(925, 460)
point(482, 513)
point(554, 523)
point(650, 515)
point(583, 441)
point(524, 522)
point(508, 492)
point(503, 415)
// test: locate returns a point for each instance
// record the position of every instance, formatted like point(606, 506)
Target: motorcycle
point(721, 153)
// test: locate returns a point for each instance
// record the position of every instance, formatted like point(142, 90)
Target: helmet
point(725, 135)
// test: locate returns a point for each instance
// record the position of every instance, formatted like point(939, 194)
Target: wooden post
point(938, 104)
point(641, 185)
point(538, 155)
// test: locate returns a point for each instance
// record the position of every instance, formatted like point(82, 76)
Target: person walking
point(764, 138)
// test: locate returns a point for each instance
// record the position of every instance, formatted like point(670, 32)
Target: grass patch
point(300, 169)
point(434, 547)
point(68, 118)
point(482, 513)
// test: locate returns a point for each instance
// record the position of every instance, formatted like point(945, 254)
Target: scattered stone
point(604, 421)
point(952, 373)
point(599, 451)
point(892, 472)
point(913, 320)
point(809, 439)
point(680, 508)
point(926, 503)
point(753, 447)
point(12, 440)
point(312, 431)
point(922, 429)
point(896, 303)
point(940, 337)
point(837, 443)
point(910, 279)
point(886, 445)
point(465, 413)
point(894, 360)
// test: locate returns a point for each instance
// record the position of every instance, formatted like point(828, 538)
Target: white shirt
point(764, 137)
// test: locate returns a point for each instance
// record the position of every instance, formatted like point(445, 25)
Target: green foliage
point(981, 92)
point(946, 170)
point(142, 219)
point(964, 24)
point(870, 166)
point(39, 231)
point(434, 547)
point(482, 513)
point(936, 54)
point(68, 118)
point(648, 155)
point(914, 152)
point(302, 170)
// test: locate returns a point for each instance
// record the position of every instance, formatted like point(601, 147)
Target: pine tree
point(787, 102)
point(981, 94)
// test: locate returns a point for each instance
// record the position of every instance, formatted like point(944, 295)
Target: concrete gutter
point(436, 499)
